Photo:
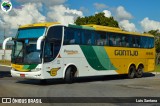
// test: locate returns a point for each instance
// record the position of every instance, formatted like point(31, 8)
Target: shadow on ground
point(79, 80)
point(5, 74)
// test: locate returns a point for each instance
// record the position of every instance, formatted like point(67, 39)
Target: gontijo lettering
point(126, 53)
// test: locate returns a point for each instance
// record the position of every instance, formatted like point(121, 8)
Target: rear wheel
point(139, 72)
point(131, 72)
point(69, 76)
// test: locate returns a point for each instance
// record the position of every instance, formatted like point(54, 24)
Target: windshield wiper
point(18, 54)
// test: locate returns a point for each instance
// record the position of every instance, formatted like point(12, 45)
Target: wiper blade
point(18, 54)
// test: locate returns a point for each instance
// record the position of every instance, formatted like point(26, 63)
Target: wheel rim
point(140, 71)
point(132, 72)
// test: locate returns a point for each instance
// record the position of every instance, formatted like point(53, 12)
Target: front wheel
point(139, 72)
point(131, 72)
point(69, 76)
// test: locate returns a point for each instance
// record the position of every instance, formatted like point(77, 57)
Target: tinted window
point(135, 41)
point(150, 42)
point(55, 33)
point(115, 39)
point(88, 37)
point(144, 42)
point(101, 38)
point(72, 36)
point(52, 43)
point(31, 32)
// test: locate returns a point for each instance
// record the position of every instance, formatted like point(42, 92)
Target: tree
point(98, 19)
point(156, 33)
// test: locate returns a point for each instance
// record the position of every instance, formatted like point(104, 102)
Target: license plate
point(22, 75)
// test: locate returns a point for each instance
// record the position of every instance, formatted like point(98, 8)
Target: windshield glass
point(32, 55)
point(34, 32)
point(26, 52)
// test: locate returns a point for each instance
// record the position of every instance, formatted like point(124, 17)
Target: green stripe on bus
point(97, 57)
point(103, 57)
point(92, 58)
point(29, 67)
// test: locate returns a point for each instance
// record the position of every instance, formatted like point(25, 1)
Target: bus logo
point(71, 52)
point(6, 6)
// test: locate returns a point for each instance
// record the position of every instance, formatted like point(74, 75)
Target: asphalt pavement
point(103, 86)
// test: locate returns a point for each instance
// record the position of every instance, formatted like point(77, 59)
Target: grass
point(157, 69)
point(5, 62)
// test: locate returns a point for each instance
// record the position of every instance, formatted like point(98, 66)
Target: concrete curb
point(155, 72)
point(4, 65)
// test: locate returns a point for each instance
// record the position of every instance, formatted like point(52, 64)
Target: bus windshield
point(25, 52)
point(24, 49)
point(34, 32)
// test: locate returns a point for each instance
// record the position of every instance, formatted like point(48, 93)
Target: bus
point(51, 50)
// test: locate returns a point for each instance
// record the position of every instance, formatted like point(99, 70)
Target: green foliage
point(156, 33)
point(98, 19)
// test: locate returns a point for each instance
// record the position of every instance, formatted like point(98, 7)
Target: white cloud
point(107, 13)
point(63, 15)
point(126, 25)
point(100, 6)
point(122, 14)
point(148, 24)
point(28, 14)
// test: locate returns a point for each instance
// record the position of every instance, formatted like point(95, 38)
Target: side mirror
point(5, 42)
point(39, 41)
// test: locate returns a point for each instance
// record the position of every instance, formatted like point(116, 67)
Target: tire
point(131, 72)
point(139, 72)
point(43, 81)
point(69, 75)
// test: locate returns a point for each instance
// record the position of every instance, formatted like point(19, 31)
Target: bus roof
point(117, 30)
point(44, 24)
point(89, 27)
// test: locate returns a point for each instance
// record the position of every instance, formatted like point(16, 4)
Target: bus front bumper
point(28, 75)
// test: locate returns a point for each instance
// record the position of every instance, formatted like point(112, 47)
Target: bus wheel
point(43, 81)
point(139, 72)
point(69, 75)
point(131, 72)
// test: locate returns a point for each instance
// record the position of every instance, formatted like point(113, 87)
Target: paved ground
point(104, 86)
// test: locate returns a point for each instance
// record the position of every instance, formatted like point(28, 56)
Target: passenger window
point(72, 36)
point(124, 42)
point(112, 41)
point(101, 38)
point(88, 37)
point(115, 39)
point(144, 42)
point(136, 41)
point(150, 42)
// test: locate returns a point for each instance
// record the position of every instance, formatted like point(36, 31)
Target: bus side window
point(130, 41)
point(101, 38)
point(118, 40)
point(91, 38)
point(111, 40)
point(135, 41)
point(150, 42)
point(88, 39)
point(69, 36)
point(124, 41)
point(77, 35)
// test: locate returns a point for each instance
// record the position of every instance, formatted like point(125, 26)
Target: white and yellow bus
point(52, 50)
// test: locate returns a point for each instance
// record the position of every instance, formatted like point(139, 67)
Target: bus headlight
point(36, 69)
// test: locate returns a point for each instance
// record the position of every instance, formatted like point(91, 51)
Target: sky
point(132, 15)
